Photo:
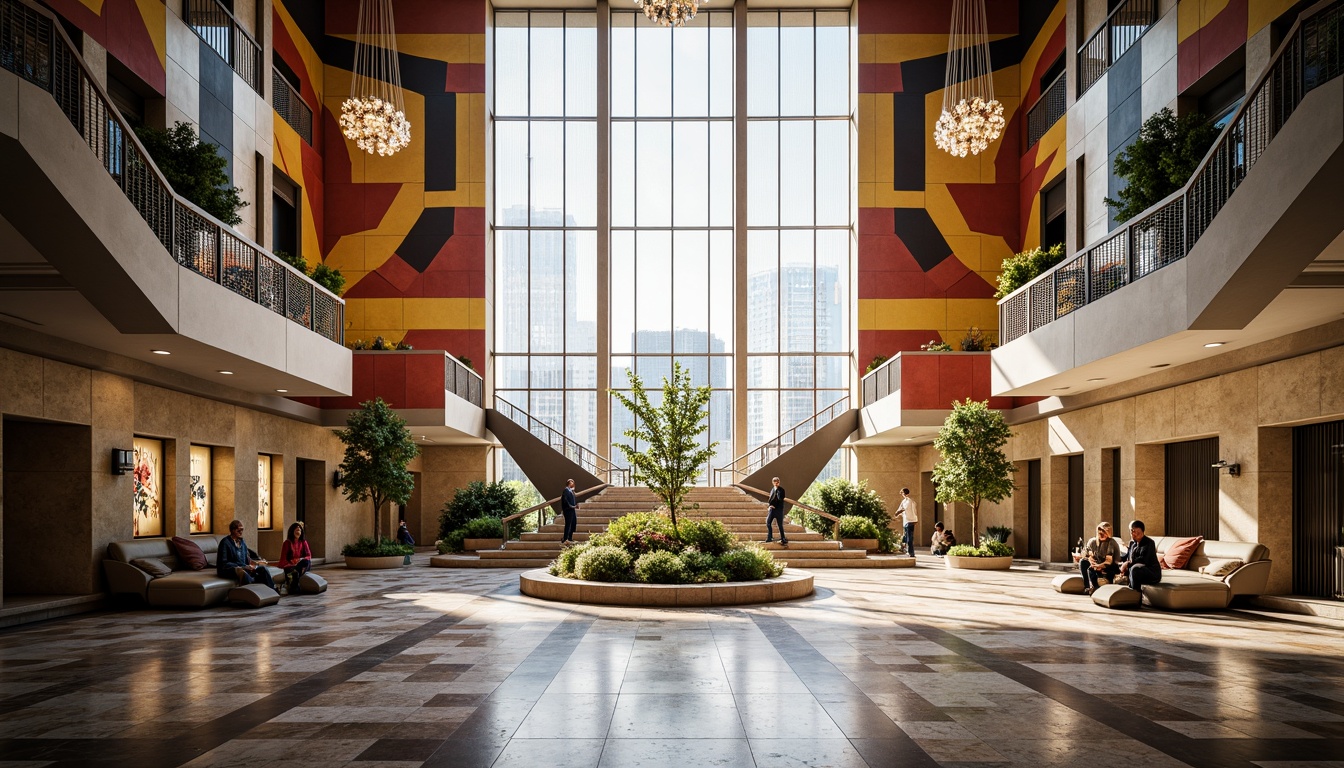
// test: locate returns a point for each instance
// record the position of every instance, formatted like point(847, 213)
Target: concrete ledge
point(791, 585)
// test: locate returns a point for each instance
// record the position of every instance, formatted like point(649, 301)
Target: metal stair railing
point(34, 46)
point(835, 521)
point(540, 510)
point(1311, 54)
point(590, 460)
point(768, 451)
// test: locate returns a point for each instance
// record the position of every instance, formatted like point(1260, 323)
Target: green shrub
point(626, 527)
point(697, 562)
point(1026, 266)
point(1160, 160)
point(855, 527)
point(999, 533)
point(964, 550)
point(603, 564)
point(934, 345)
point(838, 496)
point(989, 548)
point(480, 499)
point(195, 169)
point(450, 542)
point(997, 549)
point(660, 568)
point(975, 341)
point(482, 528)
point(711, 576)
point(877, 363)
point(888, 541)
point(564, 564)
point(709, 536)
point(604, 539)
point(329, 278)
point(367, 547)
point(749, 564)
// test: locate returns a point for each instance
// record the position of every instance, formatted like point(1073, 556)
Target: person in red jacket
point(296, 557)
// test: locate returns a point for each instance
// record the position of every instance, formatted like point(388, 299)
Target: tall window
point(672, 203)
point(545, 217)
point(799, 216)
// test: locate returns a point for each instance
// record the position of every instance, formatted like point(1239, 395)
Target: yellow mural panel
point(437, 313)
point(867, 194)
point(467, 195)
point(944, 211)
point(476, 314)
point(886, 197)
point(1260, 13)
point(348, 256)
point(94, 5)
point(454, 49)
point(993, 250)
point(378, 249)
point(867, 138)
point(867, 314)
point(908, 314)
point(893, 49)
point(155, 16)
point(967, 250)
point(311, 61)
point(884, 155)
point(354, 313)
point(471, 137)
point(968, 313)
point(1027, 70)
point(1187, 19)
point(1209, 9)
point(383, 313)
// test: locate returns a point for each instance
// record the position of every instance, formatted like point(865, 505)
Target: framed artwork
point(199, 496)
point(264, 521)
point(147, 514)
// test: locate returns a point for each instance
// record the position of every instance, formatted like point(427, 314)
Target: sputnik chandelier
point(972, 118)
point(670, 12)
point(374, 117)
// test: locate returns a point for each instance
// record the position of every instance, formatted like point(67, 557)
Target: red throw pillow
point(189, 552)
point(1178, 554)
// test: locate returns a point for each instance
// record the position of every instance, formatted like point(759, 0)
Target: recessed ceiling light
point(227, 373)
point(1097, 379)
point(1160, 365)
point(282, 390)
point(1213, 344)
point(160, 351)
point(1060, 388)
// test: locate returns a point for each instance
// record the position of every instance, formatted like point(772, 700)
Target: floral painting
point(148, 484)
point(264, 492)
point(199, 493)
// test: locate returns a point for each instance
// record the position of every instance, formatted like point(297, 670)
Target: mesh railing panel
point(25, 44)
point(238, 266)
point(1112, 39)
point(1046, 112)
point(218, 28)
point(298, 299)
point(461, 382)
point(270, 284)
point(1014, 317)
point(1108, 267)
point(1042, 301)
point(291, 107)
point(1071, 285)
point(195, 241)
point(1156, 240)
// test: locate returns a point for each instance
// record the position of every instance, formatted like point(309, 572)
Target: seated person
point(942, 539)
point(296, 557)
point(404, 535)
point(1140, 565)
point(233, 561)
point(1100, 560)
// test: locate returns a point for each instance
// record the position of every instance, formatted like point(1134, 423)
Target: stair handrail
point(193, 238)
point(1168, 230)
point(835, 521)
point(756, 457)
point(504, 522)
point(587, 458)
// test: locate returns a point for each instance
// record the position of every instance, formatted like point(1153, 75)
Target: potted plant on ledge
point(974, 469)
point(858, 533)
point(378, 449)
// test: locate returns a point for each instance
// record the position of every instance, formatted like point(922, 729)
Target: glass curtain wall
point(672, 194)
point(672, 201)
point(545, 218)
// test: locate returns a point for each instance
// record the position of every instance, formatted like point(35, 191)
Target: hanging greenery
point(1160, 160)
point(195, 169)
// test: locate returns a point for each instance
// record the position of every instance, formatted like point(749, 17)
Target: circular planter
point(471, 545)
point(540, 584)
point(979, 563)
point(866, 544)
point(374, 563)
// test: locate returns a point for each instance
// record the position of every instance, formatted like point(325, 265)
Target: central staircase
point(740, 513)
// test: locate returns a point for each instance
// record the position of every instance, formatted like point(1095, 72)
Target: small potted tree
point(858, 533)
point(974, 469)
point(378, 449)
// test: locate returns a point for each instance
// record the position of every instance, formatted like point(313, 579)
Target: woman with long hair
point(296, 557)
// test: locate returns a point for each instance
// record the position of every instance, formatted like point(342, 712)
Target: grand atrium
point(278, 276)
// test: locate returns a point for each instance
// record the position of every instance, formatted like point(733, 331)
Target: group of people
point(1103, 562)
point(233, 559)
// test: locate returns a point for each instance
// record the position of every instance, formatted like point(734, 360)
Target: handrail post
point(219, 256)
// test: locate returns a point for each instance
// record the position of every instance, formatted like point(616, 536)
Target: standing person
point(234, 562)
point(405, 538)
point(909, 513)
point(296, 557)
point(1100, 563)
point(569, 504)
point(1141, 565)
point(776, 513)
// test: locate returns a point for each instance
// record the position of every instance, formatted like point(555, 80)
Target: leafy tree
point(1160, 161)
point(481, 499)
point(378, 448)
point(674, 456)
point(840, 497)
point(974, 467)
point(329, 278)
point(525, 493)
point(1024, 267)
point(195, 170)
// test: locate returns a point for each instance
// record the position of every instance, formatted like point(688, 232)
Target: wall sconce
point(336, 478)
point(1232, 469)
point(123, 461)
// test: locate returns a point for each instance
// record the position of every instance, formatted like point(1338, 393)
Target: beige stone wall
point(1251, 411)
point(444, 470)
point(113, 410)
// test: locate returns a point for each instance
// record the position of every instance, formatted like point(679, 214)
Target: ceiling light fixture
point(1160, 365)
point(282, 390)
point(1096, 379)
point(674, 13)
point(160, 351)
point(374, 117)
point(971, 118)
point(1213, 344)
point(226, 373)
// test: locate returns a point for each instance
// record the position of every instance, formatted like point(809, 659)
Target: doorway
point(1318, 510)
point(1192, 488)
point(1034, 509)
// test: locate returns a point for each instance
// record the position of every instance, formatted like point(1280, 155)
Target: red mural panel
point(922, 17)
point(119, 27)
point(421, 17)
point(1199, 53)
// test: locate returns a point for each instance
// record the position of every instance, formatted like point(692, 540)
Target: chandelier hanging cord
point(971, 117)
point(374, 117)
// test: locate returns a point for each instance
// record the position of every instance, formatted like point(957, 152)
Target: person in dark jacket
point(404, 535)
point(1140, 564)
point(569, 505)
point(233, 561)
point(776, 514)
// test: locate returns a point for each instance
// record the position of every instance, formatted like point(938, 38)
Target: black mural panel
point(427, 237)
point(908, 141)
point(421, 75)
point(921, 237)
point(441, 156)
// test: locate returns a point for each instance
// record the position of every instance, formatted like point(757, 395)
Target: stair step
point(867, 562)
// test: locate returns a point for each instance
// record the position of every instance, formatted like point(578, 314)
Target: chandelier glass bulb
point(969, 127)
point(971, 118)
point(670, 12)
point(374, 117)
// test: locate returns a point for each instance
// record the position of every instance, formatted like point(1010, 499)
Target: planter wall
point(867, 544)
point(792, 585)
point(979, 563)
point(374, 563)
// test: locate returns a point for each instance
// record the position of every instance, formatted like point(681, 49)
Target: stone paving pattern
point(436, 667)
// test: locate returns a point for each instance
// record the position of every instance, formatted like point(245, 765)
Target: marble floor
point(453, 667)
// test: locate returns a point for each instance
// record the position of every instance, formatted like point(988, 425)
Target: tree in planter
point(671, 430)
point(840, 497)
point(479, 499)
point(378, 448)
point(195, 170)
point(325, 276)
point(1026, 266)
point(974, 467)
point(1160, 160)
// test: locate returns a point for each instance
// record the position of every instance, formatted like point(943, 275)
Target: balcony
point(217, 28)
point(291, 107)
point(439, 397)
point(1122, 28)
point(908, 397)
point(1047, 110)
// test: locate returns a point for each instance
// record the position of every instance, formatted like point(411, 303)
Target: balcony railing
point(215, 25)
point(1311, 54)
point(291, 107)
point(757, 457)
point(1047, 110)
point(1122, 28)
point(462, 381)
point(35, 47)
point(591, 461)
